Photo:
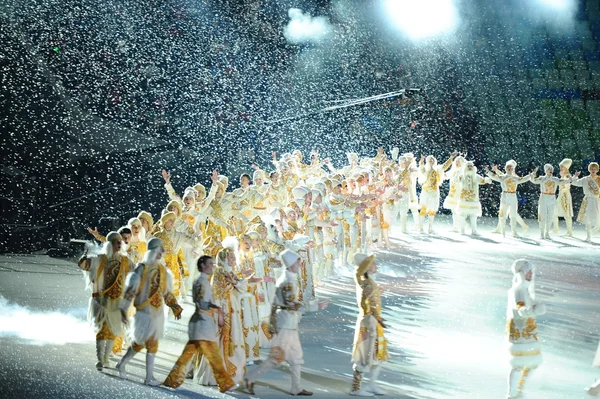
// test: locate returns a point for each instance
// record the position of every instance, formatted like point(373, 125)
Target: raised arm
point(170, 190)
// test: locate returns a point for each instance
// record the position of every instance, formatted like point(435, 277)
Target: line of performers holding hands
point(270, 242)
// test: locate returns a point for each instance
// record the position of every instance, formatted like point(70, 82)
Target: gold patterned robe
point(370, 345)
point(107, 279)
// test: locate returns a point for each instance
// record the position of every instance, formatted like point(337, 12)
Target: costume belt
point(508, 192)
point(549, 193)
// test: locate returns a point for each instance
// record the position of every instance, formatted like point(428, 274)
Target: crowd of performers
point(250, 259)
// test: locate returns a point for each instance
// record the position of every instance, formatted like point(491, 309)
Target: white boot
point(100, 345)
point(522, 223)
point(474, 231)
point(569, 222)
point(123, 362)
point(594, 389)
point(403, 223)
point(588, 233)
point(373, 377)
point(455, 223)
point(513, 384)
point(107, 350)
point(150, 370)
point(430, 224)
point(556, 224)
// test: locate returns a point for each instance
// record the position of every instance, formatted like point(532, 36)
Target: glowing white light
point(421, 19)
point(558, 5)
point(304, 28)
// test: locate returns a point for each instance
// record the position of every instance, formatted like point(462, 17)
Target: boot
point(524, 374)
point(455, 223)
point(474, 231)
point(569, 222)
point(594, 389)
point(513, 227)
point(107, 350)
point(522, 223)
point(430, 224)
point(356, 388)
point(513, 383)
point(588, 233)
point(403, 223)
point(373, 377)
point(150, 369)
point(100, 345)
point(296, 371)
point(556, 224)
point(123, 362)
point(386, 238)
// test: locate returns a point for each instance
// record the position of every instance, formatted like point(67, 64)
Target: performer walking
point(203, 332)
point(521, 327)
point(285, 316)
point(106, 275)
point(149, 287)
point(370, 346)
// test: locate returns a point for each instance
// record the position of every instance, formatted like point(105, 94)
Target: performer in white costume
point(547, 203)
point(589, 213)
point(451, 200)
point(203, 332)
point(370, 346)
point(564, 204)
point(508, 198)
point(285, 316)
point(521, 328)
point(431, 176)
point(106, 275)
point(468, 205)
point(150, 287)
point(228, 287)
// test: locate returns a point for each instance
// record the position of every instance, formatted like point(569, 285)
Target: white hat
point(316, 192)
point(288, 257)
point(258, 174)
point(190, 192)
point(409, 155)
point(335, 183)
point(548, 166)
point(113, 235)
point(299, 192)
point(566, 163)
point(154, 243)
point(512, 163)
point(521, 266)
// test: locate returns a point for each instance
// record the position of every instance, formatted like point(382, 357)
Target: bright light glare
point(558, 5)
point(422, 19)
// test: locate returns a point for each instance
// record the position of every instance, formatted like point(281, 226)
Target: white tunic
point(590, 207)
point(150, 287)
point(203, 326)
